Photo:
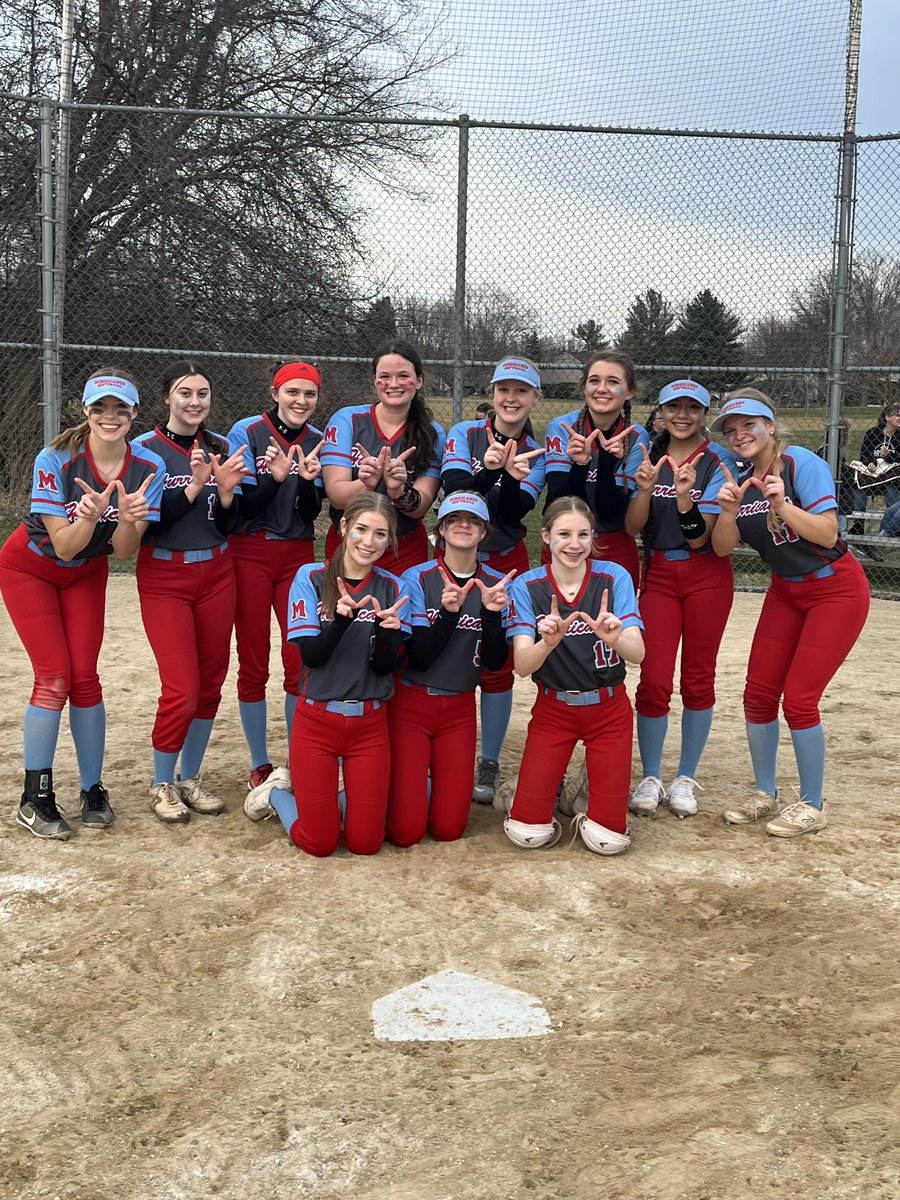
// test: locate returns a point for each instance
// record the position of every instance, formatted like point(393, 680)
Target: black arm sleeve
point(427, 645)
point(256, 500)
point(494, 646)
point(611, 499)
point(226, 519)
point(316, 650)
point(309, 500)
point(514, 502)
point(174, 506)
point(566, 483)
point(386, 652)
point(462, 481)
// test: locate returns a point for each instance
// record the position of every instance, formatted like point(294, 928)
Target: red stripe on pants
point(264, 569)
point(685, 602)
point(318, 740)
point(58, 613)
point(435, 733)
point(804, 633)
point(188, 613)
point(606, 729)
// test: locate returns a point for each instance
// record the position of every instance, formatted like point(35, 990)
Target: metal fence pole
point(459, 305)
point(49, 347)
point(843, 244)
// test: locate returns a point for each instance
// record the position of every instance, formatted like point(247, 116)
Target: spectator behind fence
point(850, 498)
point(881, 443)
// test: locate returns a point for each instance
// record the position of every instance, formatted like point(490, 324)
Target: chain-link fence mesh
point(244, 238)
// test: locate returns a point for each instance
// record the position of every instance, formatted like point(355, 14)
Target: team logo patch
point(47, 481)
point(450, 447)
point(298, 610)
point(331, 435)
point(554, 445)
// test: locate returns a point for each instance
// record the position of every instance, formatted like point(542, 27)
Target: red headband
point(296, 370)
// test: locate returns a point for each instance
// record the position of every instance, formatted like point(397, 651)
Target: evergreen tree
point(709, 335)
point(648, 326)
point(591, 333)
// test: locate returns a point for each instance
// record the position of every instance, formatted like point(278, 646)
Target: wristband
point(408, 500)
point(691, 522)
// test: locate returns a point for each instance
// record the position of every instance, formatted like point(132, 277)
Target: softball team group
point(383, 648)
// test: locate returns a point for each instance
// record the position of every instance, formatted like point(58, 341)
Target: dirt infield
point(187, 1011)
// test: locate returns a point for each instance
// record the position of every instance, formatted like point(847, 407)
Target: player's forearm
point(819, 528)
point(69, 538)
point(725, 535)
point(528, 658)
point(630, 645)
point(637, 512)
point(342, 492)
point(127, 538)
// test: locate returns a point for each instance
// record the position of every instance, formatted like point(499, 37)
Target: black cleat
point(95, 808)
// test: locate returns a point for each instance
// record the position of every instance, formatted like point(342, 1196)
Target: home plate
point(452, 1006)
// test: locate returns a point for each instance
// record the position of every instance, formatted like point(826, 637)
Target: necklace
point(108, 474)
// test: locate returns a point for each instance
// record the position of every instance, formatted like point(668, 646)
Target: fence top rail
point(438, 122)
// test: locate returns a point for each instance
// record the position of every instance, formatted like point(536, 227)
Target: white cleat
point(647, 796)
point(682, 801)
point(256, 805)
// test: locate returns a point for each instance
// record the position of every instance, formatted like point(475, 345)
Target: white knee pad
point(532, 837)
point(600, 839)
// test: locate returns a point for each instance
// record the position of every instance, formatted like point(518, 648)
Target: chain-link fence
point(244, 238)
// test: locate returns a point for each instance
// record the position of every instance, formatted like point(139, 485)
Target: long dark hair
point(420, 431)
point(73, 439)
point(181, 370)
point(365, 502)
point(620, 359)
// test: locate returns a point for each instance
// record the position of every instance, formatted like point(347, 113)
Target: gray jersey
point(196, 530)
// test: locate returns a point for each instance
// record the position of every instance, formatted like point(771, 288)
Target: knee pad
point(532, 837)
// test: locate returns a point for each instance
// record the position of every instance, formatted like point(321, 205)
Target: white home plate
point(452, 1006)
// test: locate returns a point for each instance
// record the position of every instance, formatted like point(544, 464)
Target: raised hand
point(370, 471)
point(495, 457)
point(277, 461)
point(731, 494)
point(389, 618)
point(453, 597)
point(93, 504)
point(553, 628)
point(308, 465)
point(228, 474)
point(580, 448)
point(647, 474)
point(685, 475)
point(134, 506)
point(201, 465)
point(615, 445)
point(519, 465)
point(396, 472)
point(606, 626)
point(346, 605)
point(496, 597)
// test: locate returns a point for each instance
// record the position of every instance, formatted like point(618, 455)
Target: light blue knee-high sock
point(809, 748)
point(253, 720)
point(290, 707)
point(496, 710)
point(88, 727)
point(763, 740)
point(163, 766)
point(695, 726)
point(41, 735)
point(285, 806)
point(195, 746)
point(651, 733)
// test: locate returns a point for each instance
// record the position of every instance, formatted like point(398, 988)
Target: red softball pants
point(318, 740)
point(58, 613)
point(805, 631)
point(618, 547)
point(264, 569)
point(606, 729)
point(436, 734)
point(188, 614)
point(687, 601)
point(516, 560)
point(412, 548)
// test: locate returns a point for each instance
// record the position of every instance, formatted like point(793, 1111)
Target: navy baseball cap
point(517, 368)
point(685, 387)
point(110, 385)
point(464, 502)
point(741, 406)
